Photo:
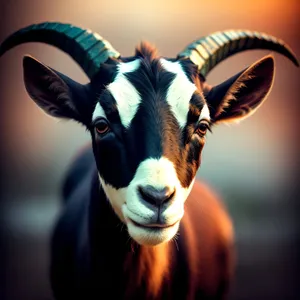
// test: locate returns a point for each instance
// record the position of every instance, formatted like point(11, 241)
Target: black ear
point(240, 96)
point(49, 91)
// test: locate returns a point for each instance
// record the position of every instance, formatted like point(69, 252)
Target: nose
point(154, 196)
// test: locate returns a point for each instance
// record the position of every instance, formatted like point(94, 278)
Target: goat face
point(148, 130)
point(148, 117)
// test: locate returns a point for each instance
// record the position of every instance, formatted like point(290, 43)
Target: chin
point(151, 236)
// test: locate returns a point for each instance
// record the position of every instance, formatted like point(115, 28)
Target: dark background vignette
point(35, 154)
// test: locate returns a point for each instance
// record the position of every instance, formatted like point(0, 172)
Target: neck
point(151, 268)
point(141, 266)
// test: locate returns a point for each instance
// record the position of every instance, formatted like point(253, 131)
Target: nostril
point(156, 196)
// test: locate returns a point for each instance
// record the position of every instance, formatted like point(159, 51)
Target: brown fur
point(147, 50)
point(153, 266)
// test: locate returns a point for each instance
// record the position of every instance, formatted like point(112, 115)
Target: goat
point(135, 224)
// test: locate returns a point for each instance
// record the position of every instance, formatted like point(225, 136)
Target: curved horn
point(208, 51)
point(88, 49)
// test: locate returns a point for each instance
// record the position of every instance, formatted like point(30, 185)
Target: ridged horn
point(88, 49)
point(208, 51)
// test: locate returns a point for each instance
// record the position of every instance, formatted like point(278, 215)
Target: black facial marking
point(109, 105)
point(196, 104)
point(153, 132)
point(145, 136)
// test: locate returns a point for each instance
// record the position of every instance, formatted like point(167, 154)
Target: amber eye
point(102, 126)
point(202, 128)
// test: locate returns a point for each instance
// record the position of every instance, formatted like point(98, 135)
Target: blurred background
point(252, 165)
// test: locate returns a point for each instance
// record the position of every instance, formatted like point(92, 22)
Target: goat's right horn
point(88, 49)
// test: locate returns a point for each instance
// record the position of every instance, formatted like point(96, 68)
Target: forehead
point(136, 80)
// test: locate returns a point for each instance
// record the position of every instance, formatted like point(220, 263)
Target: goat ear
point(48, 90)
point(241, 95)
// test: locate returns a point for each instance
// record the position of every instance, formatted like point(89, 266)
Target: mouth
point(151, 234)
point(153, 227)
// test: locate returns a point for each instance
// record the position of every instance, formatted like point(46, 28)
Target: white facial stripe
point(125, 94)
point(98, 112)
point(180, 91)
point(204, 113)
point(158, 173)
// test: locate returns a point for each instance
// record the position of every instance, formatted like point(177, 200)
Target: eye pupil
point(202, 128)
point(102, 127)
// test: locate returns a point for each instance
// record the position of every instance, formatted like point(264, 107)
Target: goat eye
point(202, 128)
point(102, 126)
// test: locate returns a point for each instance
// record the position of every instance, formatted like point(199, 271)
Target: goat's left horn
point(88, 49)
point(210, 50)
